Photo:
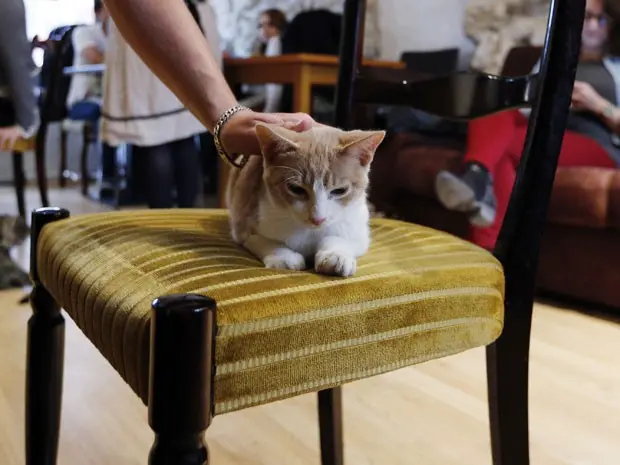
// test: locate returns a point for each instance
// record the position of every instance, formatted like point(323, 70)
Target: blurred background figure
point(140, 110)
point(89, 44)
point(271, 26)
point(18, 109)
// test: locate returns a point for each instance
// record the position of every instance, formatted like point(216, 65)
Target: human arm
point(93, 55)
point(89, 42)
point(585, 98)
point(16, 67)
point(168, 40)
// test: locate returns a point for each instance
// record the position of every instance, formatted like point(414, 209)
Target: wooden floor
point(432, 414)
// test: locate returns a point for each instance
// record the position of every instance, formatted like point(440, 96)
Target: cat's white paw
point(335, 263)
point(285, 260)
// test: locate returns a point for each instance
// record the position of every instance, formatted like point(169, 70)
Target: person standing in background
point(205, 16)
point(140, 110)
point(18, 109)
point(207, 21)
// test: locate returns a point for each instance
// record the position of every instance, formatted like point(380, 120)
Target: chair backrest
point(60, 54)
point(432, 61)
point(469, 94)
point(313, 31)
point(520, 60)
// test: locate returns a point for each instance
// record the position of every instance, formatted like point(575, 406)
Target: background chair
point(316, 32)
point(35, 144)
point(443, 61)
point(190, 357)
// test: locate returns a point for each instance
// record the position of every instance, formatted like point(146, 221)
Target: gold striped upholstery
point(418, 294)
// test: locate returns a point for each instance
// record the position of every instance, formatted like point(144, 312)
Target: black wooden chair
point(264, 335)
point(468, 95)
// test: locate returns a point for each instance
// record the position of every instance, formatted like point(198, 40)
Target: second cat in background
point(303, 203)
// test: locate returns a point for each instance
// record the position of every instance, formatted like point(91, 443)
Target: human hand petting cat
point(238, 135)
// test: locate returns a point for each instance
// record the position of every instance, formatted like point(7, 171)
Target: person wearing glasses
point(482, 187)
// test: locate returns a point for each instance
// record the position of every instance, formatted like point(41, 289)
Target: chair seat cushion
point(418, 294)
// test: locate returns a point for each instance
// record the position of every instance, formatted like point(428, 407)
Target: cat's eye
point(339, 192)
point(296, 189)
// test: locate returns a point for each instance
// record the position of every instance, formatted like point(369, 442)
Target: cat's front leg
point(337, 257)
point(275, 254)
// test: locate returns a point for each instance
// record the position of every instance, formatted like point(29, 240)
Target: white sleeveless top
point(138, 108)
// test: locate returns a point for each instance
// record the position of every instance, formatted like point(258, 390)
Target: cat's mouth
point(317, 223)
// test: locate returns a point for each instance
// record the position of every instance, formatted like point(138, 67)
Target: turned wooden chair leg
point(183, 329)
point(86, 137)
point(40, 162)
point(507, 377)
point(44, 363)
point(330, 426)
point(62, 181)
point(20, 182)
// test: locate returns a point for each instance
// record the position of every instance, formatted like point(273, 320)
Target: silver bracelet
point(236, 160)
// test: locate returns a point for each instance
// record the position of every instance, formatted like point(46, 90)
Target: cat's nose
point(317, 221)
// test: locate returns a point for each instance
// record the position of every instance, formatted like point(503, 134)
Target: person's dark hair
point(276, 18)
point(612, 10)
point(98, 6)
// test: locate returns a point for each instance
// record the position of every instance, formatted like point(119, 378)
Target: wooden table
point(302, 71)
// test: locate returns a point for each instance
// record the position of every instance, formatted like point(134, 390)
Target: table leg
point(302, 91)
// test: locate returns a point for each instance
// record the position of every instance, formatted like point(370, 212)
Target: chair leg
point(44, 362)
point(20, 182)
point(86, 136)
point(330, 426)
point(62, 181)
point(40, 162)
point(183, 329)
point(507, 377)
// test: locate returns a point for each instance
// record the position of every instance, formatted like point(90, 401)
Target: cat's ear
point(274, 140)
point(361, 145)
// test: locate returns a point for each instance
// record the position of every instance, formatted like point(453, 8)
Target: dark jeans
point(174, 166)
point(91, 111)
point(85, 111)
point(7, 113)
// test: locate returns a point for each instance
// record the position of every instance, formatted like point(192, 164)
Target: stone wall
point(238, 20)
point(498, 25)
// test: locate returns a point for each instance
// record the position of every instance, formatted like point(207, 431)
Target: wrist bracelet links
point(236, 160)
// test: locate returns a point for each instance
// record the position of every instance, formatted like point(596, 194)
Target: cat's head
point(317, 173)
point(13, 231)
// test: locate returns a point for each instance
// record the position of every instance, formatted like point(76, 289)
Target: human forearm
point(93, 56)
point(165, 36)
point(608, 113)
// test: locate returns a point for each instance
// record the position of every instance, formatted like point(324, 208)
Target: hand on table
point(9, 136)
point(238, 135)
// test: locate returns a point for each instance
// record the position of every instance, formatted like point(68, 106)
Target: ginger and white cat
point(304, 201)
